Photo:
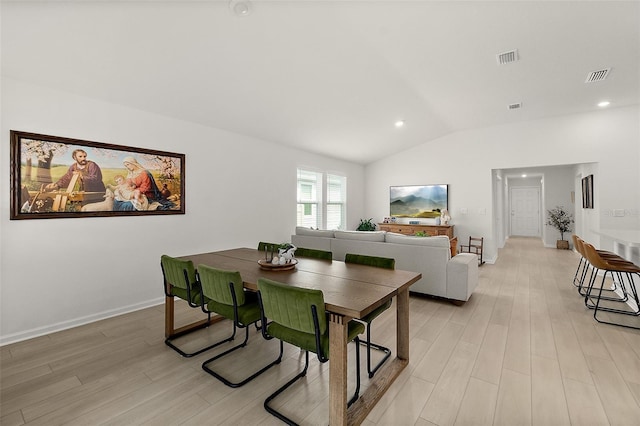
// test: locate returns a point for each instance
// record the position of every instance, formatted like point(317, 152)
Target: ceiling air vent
point(507, 57)
point(515, 106)
point(597, 75)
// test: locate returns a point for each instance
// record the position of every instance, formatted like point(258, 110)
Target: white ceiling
point(331, 77)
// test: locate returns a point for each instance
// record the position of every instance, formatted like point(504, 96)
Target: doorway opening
point(525, 211)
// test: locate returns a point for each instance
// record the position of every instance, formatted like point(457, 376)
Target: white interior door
point(525, 211)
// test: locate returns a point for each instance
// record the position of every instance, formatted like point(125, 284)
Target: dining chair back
point(226, 297)
point(271, 247)
point(180, 281)
point(314, 253)
point(297, 316)
point(378, 262)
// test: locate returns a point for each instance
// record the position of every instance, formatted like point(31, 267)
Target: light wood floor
point(523, 350)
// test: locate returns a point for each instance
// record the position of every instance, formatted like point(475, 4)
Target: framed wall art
point(587, 192)
point(418, 201)
point(58, 177)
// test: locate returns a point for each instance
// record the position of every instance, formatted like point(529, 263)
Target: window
point(321, 200)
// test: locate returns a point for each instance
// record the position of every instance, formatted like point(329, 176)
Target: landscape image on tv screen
point(418, 201)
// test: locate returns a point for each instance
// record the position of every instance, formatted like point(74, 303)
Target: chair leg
point(576, 280)
point(597, 307)
point(205, 365)
point(356, 393)
point(369, 344)
point(303, 373)
point(586, 292)
point(625, 296)
point(168, 340)
point(581, 283)
point(284, 387)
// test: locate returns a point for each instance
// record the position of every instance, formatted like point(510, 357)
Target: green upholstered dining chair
point(272, 247)
point(317, 254)
point(180, 281)
point(225, 296)
point(269, 249)
point(297, 316)
point(379, 262)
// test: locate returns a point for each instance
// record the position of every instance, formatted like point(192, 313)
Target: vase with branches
point(560, 219)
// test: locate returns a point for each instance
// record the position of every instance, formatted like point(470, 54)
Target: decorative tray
point(276, 266)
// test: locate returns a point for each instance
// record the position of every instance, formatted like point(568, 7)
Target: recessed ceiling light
point(399, 123)
point(603, 104)
point(524, 176)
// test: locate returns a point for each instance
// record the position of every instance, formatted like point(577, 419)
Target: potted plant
point(366, 225)
point(560, 219)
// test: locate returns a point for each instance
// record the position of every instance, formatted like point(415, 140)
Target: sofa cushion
point(430, 261)
point(301, 230)
point(377, 236)
point(437, 241)
point(443, 276)
point(316, 243)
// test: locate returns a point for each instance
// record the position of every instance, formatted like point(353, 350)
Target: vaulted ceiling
point(331, 77)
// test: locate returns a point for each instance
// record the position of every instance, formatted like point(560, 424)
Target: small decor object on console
point(444, 217)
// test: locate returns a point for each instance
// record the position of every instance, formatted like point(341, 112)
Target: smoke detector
point(240, 8)
point(507, 57)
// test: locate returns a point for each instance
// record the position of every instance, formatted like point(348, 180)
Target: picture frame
point(418, 201)
point(58, 177)
point(587, 192)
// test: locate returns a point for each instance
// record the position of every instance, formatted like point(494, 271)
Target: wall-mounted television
point(418, 201)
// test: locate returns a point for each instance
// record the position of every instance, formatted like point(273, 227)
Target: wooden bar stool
point(609, 266)
point(587, 267)
point(583, 265)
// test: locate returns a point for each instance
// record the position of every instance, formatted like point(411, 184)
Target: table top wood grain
point(349, 289)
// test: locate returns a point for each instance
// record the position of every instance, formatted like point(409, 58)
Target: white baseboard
point(76, 322)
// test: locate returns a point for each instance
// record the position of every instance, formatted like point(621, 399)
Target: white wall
point(465, 160)
point(62, 272)
point(59, 273)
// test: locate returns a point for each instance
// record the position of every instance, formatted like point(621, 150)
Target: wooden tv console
point(429, 229)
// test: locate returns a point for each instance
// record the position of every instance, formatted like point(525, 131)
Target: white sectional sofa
point(443, 276)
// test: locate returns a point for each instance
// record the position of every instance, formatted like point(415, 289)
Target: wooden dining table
point(350, 291)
